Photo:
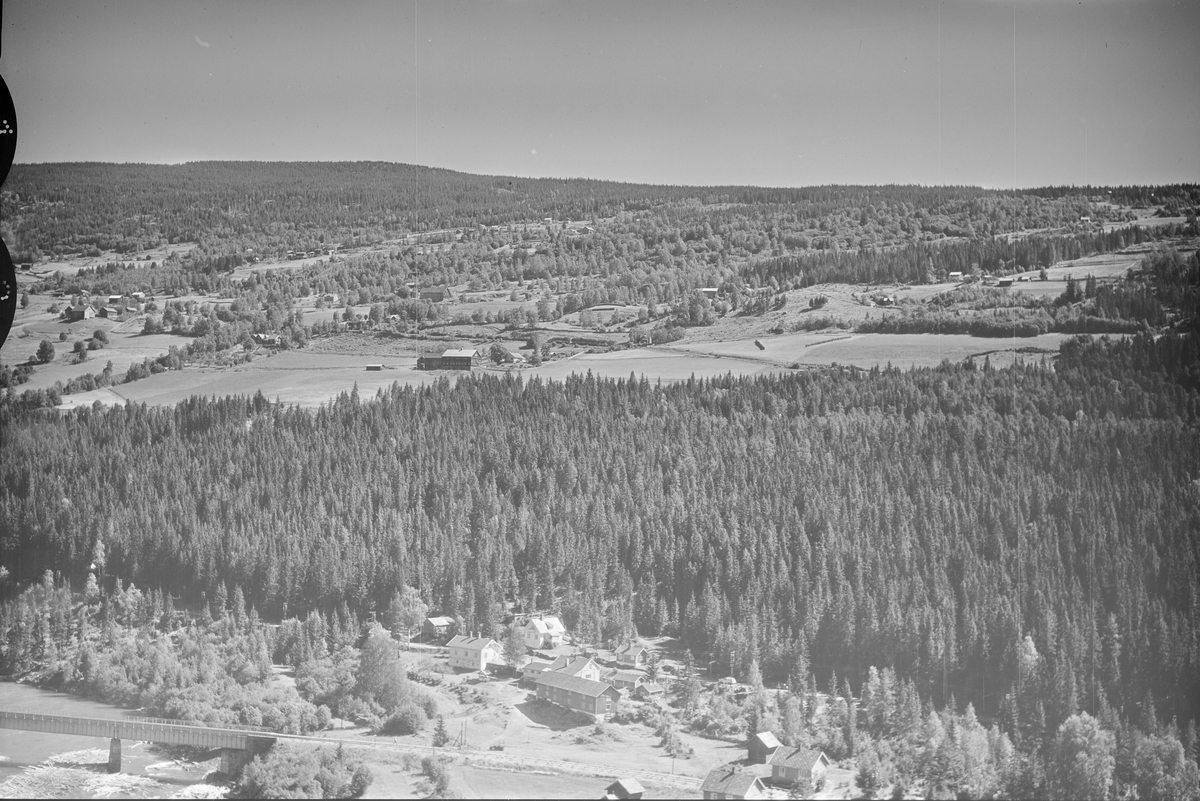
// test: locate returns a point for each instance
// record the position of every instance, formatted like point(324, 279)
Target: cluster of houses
point(111, 307)
point(788, 766)
point(577, 683)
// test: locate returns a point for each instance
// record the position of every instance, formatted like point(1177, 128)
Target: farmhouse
point(633, 655)
point(472, 653)
point(628, 679)
point(729, 782)
point(544, 632)
point(580, 666)
point(956, 276)
point(762, 746)
point(436, 629)
point(624, 788)
point(789, 765)
point(593, 698)
point(84, 311)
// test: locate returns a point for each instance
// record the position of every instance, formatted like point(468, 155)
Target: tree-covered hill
point(924, 520)
point(77, 207)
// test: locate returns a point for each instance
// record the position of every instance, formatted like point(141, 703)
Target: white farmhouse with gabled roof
point(544, 632)
point(472, 653)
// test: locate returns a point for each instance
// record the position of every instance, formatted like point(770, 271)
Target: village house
point(729, 782)
point(789, 765)
point(108, 312)
point(593, 698)
point(632, 655)
point(762, 746)
point(472, 653)
point(624, 788)
point(544, 632)
point(627, 679)
point(84, 311)
point(534, 668)
point(580, 666)
point(436, 629)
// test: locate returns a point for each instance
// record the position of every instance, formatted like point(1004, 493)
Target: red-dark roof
point(586, 687)
point(729, 781)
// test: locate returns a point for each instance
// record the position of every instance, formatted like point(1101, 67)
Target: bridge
point(236, 745)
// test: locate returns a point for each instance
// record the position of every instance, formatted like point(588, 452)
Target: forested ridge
point(924, 520)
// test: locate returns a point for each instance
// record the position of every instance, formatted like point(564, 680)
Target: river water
point(40, 765)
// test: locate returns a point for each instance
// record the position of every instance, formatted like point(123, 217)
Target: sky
point(994, 94)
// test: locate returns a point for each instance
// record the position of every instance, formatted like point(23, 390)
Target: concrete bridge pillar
point(114, 755)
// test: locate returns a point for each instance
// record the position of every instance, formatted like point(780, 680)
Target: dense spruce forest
point(930, 520)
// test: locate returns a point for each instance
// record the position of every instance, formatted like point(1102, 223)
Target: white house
point(472, 653)
point(544, 632)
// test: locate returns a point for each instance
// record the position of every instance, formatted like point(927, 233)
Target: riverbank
point(41, 765)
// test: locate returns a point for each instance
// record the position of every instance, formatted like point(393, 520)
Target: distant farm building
point(594, 698)
point(632, 654)
point(374, 367)
point(436, 629)
point(109, 312)
point(544, 632)
point(83, 312)
point(436, 294)
point(472, 653)
point(789, 765)
point(956, 276)
point(624, 788)
point(453, 359)
point(762, 746)
point(648, 691)
point(627, 679)
point(710, 292)
point(729, 782)
point(1003, 282)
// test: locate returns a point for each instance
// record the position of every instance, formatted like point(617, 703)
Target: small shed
point(624, 788)
point(762, 746)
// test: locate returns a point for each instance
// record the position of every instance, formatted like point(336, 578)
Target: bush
point(407, 719)
point(436, 771)
point(292, 770)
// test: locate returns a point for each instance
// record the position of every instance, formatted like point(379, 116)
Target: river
point(40, 765)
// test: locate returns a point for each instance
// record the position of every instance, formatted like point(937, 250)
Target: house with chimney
point(472, 652)
point(544, 632)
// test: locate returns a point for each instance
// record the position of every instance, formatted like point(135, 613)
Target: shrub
point(407, 719)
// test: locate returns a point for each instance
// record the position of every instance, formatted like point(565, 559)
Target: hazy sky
point(783, 94)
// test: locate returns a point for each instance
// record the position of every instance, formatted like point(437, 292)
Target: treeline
point(276, 206)
point(891, 528)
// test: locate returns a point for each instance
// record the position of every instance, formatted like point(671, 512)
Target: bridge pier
point(114, 755)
